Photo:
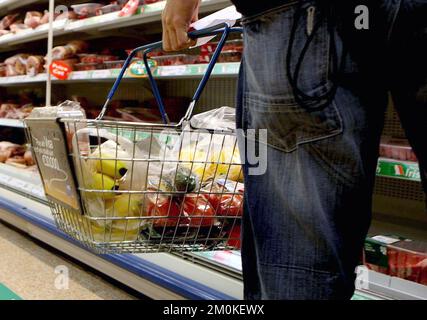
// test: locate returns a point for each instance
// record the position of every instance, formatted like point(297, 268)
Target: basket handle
point(223, 28)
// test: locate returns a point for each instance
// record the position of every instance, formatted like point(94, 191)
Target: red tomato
point(234, 237)
point(166, 208)
point(199, 210)
point(227, 204)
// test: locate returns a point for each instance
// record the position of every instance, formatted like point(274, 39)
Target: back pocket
point(288, 124)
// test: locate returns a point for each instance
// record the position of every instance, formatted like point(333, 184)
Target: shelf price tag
point(60, 70)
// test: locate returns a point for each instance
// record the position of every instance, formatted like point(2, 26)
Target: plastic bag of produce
point(210, 155)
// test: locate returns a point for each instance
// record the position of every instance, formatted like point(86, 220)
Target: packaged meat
point(139, 53)
point(230, 56)
point(88, 66)
point(176, 59)
point(16, 65)
point(35, 65)
point(3, 32)
point(208, 48)
point(104, 58)
point(18, 27)
point(86, 10)
point(45, 18)
point(114, 64)
point(375, 252)
point(70, 15)
point(8, 20)
point(129, 8)
point(88, 58)
point(408, 260)
point(233, 45)
point(108, 9)
point(3, 70)
point(33, 19)
point(398, 149)
point(6, 109)
point(69, 50)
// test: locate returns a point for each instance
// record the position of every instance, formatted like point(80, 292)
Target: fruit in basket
point(126, 205)
point(168, 210)
point(183, 180)
point(103, 182)
point(116, 169)
point(199, 210)
point(213, 164)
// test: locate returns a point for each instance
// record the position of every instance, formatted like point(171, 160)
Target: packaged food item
point(233, 45)
point(208, 48)
point(86, 10)
point(176, 59)
point(18, 27)
point(199, 210)
point(108, 9)
point(3, 32)
point(105, 57)
point(88, 66)
point(88, 58)
point(129, 8)
point(398, 149)
point(3, 69)
point(408, 260)
point(114, 64)
point(8, 20)
point(230, 56)
point(35, 65)
point(375, 252)
point(70, 15)
point(16, 65)
point(45, 18)
point(33, 19)
point(69, 50)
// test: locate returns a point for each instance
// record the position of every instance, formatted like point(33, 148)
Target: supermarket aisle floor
point(29, 270)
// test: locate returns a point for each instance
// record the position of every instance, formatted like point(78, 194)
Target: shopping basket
point(142, 187)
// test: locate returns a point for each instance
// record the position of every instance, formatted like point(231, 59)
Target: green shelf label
point(398, 169)
point(7, 294)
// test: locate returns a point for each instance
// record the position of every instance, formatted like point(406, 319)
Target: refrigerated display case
point(398, 199)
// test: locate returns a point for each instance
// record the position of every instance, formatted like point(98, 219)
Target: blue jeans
point(306, 217)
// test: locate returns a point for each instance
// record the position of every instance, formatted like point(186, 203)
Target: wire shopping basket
point(139, 187)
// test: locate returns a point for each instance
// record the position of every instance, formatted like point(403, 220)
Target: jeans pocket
point(288, 124)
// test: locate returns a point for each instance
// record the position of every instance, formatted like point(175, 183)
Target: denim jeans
point(306, 218)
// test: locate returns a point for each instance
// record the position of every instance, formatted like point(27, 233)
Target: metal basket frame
point(180, 237)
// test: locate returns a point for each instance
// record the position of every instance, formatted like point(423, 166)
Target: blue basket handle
point(224, 28)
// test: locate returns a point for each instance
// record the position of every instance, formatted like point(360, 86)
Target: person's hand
point(176, 19)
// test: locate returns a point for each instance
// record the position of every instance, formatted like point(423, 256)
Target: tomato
point(227, 204)
point(234, 237)
point(169, 211)
point(199, 210)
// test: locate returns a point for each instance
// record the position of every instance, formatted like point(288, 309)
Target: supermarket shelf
point(392, 287)
point(7, 5)
point(148, 13)
point(12, 123)
point(175, 72)
point(159, 276)
point(25, 182)
point(398, 169)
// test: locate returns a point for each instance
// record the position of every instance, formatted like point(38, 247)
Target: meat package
point(396, 148)
point(16, 65)
point(69, 50)
point(397, 257)
point(8, 20)
point(35, 65)
point(15, 154)
point(33, 19)
point(408, 260)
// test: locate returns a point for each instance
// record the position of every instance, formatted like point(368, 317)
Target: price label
point(80, 75)
point(101, 74)
point(60, 70)
point(172, 70)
